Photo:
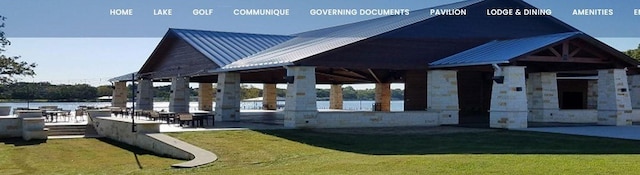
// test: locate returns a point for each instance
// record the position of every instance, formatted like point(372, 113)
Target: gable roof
point(318, 41)
point(221, 48)
point(226, 47)
point(497, 52)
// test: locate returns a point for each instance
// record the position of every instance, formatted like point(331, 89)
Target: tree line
point(45, 91)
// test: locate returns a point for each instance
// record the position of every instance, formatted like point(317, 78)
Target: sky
point(77, 41)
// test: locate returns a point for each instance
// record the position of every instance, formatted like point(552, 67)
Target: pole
point(133, 102)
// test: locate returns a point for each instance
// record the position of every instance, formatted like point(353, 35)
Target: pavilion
point(509, 70)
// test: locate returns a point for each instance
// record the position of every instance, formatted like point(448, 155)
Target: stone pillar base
point(615, 117)
point(449, 117)
point(119, 97)
point(335, 97)
point(300, 109)
point(383, 97)
point(542, 115)
point(228, 97)
point(144, 99)
point(205, 96)
point(179, 101)
point(508, 119)
point(300, 119)
point(269, 97)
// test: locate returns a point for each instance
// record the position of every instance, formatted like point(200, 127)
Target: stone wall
point(144, 99)
point(442, 95)
point(634, 90)
point(340, 119)
point(300, 108)
point(269, 97)
point(179, 98)
point(383, 96)
point(10, 127)
point(28, 124)
point(509, 99)
point(205, 96)
point(573, 116)
point(542, 96)
point(614, 101)
point(119, 98)
point(119, 129)
point(335, 97)
point(228, 97)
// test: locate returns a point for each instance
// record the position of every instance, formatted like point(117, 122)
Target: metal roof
point(318, 41)
point(225, 47)
point(496, 52)
point(125, 77)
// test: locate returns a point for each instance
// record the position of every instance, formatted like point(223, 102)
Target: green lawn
point(310, 152)
point(77, 156)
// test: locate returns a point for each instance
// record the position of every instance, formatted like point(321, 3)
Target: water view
point(348, 105)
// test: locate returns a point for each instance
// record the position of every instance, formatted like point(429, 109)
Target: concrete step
point(66, 130)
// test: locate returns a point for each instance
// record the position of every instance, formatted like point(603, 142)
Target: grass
point(501, 152)
point(311, 152)
point(77, 156)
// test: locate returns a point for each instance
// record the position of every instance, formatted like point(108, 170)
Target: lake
point(348, 105)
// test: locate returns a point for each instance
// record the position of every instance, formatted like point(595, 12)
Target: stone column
point(144, 98)
point(634, 91)
point(119, 98)
point(269, 97)
point(300, 108)
point(205, 96)
point(335, 97)
point(415, 90)
point(614, 102)
point(179, 98)
point(542, 96)
point(592, 94)
point(383, 96)
point(509, 99)
point(228, 97)
point(442, 95)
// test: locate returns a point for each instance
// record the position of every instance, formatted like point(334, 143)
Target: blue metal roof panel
point(500, 51)
point(225, 47)
point(318, 41)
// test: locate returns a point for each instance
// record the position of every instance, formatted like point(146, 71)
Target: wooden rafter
point(342, 76)
point(374, 76)
point(566, 55)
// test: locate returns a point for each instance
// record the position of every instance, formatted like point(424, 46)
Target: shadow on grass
point(493, 142)
point(134, 150)
point(21, 142)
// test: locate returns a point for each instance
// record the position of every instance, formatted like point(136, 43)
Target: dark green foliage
point(634, 53)
point(10, 67)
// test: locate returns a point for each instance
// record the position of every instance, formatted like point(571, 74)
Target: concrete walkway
point(619, 132)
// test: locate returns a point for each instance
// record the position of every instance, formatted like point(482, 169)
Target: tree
point(634, 53)
point(104, 90)
point(250, 92)
point(10, 67)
